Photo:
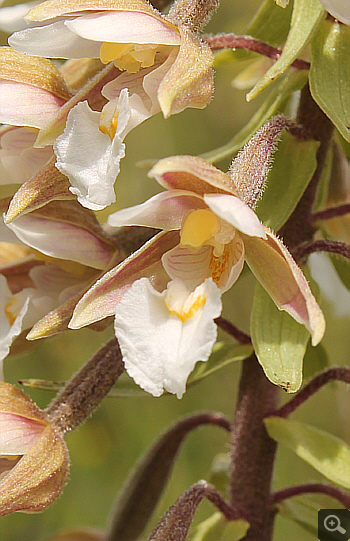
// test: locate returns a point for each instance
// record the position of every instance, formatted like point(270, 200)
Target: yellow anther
point(200, 226)
point(128, 56)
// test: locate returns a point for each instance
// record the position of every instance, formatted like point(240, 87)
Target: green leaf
point(272, 105)
point(306, 18)
point(330, 73)
point(279, 342)
point(303, 510)
point(217, 528)
point(223, 355)
point(293, 166)
point(326, 453)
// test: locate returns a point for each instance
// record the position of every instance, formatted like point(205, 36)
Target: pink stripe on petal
point(18, 433)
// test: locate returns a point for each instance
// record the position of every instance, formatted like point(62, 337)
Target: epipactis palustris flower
point(48, 259)
point(34, 461)
point(165, 298)
point(163, 67)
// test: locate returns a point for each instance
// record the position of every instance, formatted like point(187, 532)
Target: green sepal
point(292, 169)
point(330, 73)
point(307, 17)
point(326, 453)
point(279, 342)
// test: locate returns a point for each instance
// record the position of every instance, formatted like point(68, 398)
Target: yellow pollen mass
point(189, 311)
point(218, 265)
point(128, 56)
point(200, 226)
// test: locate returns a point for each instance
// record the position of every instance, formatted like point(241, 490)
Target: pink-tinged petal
point(89, 158)
point(284, 281)
point(177, 344)
point(188, 266)
point(237, 213)
point(101, 299)
point(18, 433)
point(190, 81)
point(27, 105)
point(124, 27)
point(55, 8)
point(72, 242)
point(165, 211)
point(191, 173)
point(193, 267)
point(19, 160)
point(53, 41)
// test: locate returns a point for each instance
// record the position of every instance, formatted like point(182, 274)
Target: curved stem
point(319, 488)
point(231, 329)
point(332, 246)
point(333, 374)
point(332, 212)
point(232, 41)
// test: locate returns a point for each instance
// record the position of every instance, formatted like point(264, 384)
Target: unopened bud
point(34, 460)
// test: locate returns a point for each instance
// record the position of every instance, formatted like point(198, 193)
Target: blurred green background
point(107, 446)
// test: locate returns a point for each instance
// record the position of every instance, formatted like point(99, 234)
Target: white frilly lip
point(165, 361)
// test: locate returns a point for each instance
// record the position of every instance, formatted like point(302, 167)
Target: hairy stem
point(319, 488)
point(253, 451)
point(299, 227)
point(232, 41)
point(332, 212)
point(333, 374)
point(84, 392)
point(333, 246)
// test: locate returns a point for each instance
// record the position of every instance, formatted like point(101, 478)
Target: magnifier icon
point(332, 524)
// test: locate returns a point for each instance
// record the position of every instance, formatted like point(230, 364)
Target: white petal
point(61, 240)
point(27, 105)
point(88, 157)
point(340, 9)
point(237, 213)
point(12, 17)
point(18, 433)
point(8, 332)
point(124, 27)
point(54, 41)
point(165, 211)
point(159, 350)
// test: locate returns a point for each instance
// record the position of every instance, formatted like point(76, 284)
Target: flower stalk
point(84, 392)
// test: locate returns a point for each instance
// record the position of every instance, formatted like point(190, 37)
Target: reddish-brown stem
point(87, 388)
point(299, 228)
point(253, 451)
point(231, 329)
point(333, 374)
point(232, 41)
point(332, 212)
point(333, 246)
point(319, 488)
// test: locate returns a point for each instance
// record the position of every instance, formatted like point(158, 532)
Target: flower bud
point(34, 460)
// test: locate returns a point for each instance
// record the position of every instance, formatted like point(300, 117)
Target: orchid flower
point(165, 67)
point(48, 258)
point(164, 328)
